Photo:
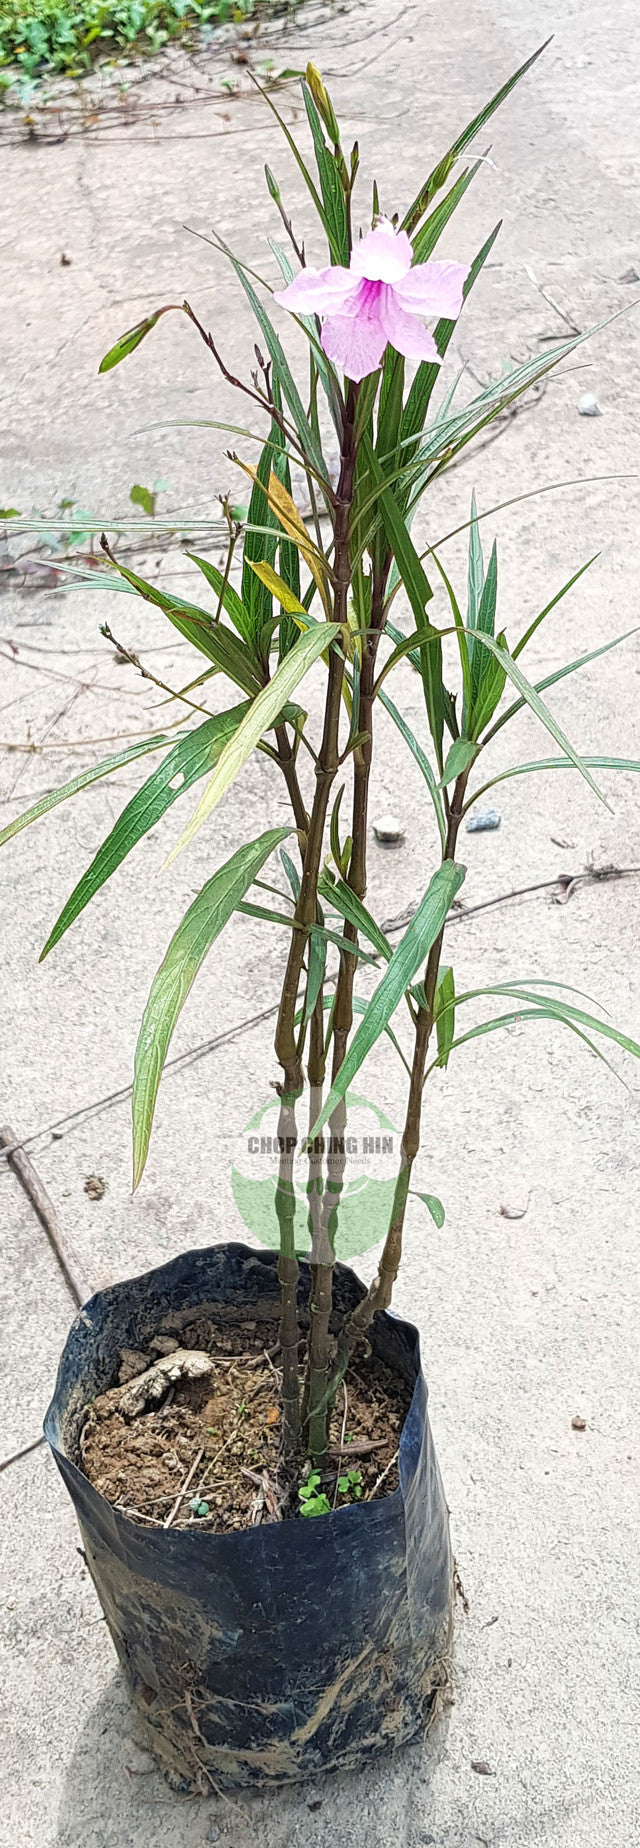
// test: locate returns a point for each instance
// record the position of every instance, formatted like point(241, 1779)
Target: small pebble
point(214, 1833)
point(483, 1769)
point(483, 821)
point(95, 1187)
point(630, 275)
point(388, 830)
point(578, 1423)
point(588, 405)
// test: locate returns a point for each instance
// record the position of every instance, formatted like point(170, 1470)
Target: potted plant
point(278, 1584)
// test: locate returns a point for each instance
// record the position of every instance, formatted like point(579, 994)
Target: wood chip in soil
point(231, 1415)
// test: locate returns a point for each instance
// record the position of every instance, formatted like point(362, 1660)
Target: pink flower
point(376, 301)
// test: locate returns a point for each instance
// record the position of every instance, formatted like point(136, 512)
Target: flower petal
point(384, 255)
point(433, 289)
point(404, 333)
point(355, 342)
point(318, 291)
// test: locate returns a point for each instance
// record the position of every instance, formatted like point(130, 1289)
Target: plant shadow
point(114, 1797)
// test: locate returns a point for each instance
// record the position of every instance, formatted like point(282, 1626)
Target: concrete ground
point(526, 1321)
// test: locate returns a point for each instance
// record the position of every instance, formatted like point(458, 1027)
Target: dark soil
point(228, 1425)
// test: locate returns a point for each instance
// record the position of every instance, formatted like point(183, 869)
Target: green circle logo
point(340, 1188)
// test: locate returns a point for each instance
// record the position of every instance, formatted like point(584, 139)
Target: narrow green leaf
point(552, 763)
point(490, 693)
point(414, 946)
point(201, 925)
point(334, 829)
point(551, 606)
point(460, 755)
point(522, 990)
point(419, 592)
point(421, 760)
point(359, 1007)
point(464, 642)
point(434, 1206)
point(428, 236)
point(550, 680)
point(309, 323)
point(355, 735)
point(531, 698)
point(331, 187)
point(554, 1008)
point(261, 715)
point(231, 602)
point(250, 910)
point(482, 669)
point(442, 442)
point(340, 895)
point(281, 368)
point(412, 571)
point(522, 1017)
point(390, 407)
point(476, 567)
point(260, 544)
point(366, 400)
point(440, 173)
point(190, 758)
point(161, 742)
point(129, 341)
point(289, 561)
point(197, 626)
point(445, 999)
point(315, 978)
point(291, 872)
point(298, 159)
point(428, 371)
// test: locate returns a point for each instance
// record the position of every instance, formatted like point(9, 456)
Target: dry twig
point(186, 1485)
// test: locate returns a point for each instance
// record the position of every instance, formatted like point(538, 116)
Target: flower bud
point(323, 103)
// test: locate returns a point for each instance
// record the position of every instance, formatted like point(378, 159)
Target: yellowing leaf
point(282, 503)
point(278, 588)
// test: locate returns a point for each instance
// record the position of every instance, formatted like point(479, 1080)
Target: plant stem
point(288, 1047)
point(319, 1402)
point(380, 1291)
point(286, 758)
point(316, 1072)
point(327, 765)
point(357, 874)
point(288, 1273)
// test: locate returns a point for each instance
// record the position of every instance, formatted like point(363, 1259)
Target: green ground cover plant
point(69, 36)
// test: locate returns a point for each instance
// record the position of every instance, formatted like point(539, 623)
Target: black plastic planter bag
point(269, 1655)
